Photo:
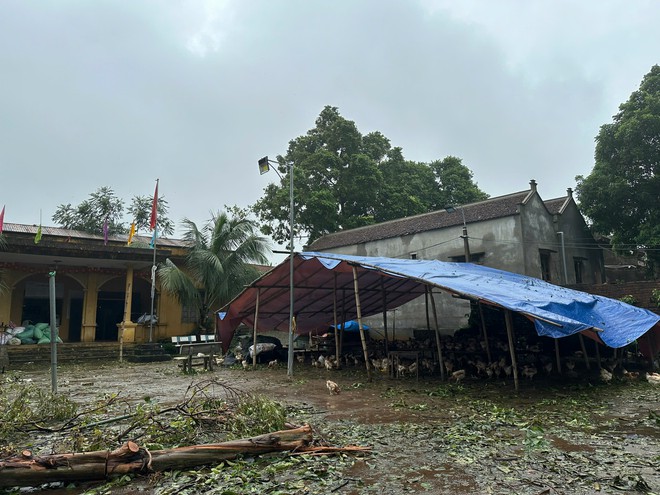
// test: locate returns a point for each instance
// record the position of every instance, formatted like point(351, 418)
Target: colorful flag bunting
point(2, 219)
point(131, 233)
point(154, 209)
point(105, 231)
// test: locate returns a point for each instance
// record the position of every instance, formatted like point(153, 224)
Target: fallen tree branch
point(29, 470)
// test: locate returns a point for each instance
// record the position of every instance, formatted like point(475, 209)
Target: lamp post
point(263, 168)
point(466, 242)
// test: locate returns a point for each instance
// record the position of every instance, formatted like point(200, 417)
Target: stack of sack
point(35, 334)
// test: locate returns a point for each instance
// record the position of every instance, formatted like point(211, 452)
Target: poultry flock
point(465, 357)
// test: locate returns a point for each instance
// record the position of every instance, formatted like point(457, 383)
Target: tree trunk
point(28, 470)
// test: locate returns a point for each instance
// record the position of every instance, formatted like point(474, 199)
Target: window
point(189, 314)
point(474, 258)
point(545, 264)
point(578, 264)
point(413, 256)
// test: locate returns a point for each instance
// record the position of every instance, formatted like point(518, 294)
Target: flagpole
point(153, 290)
point(153, 221)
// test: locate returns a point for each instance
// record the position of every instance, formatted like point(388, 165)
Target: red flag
point(154, 209)
point(2, 219)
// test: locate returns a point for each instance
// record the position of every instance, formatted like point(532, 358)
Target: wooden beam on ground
point(30, 470)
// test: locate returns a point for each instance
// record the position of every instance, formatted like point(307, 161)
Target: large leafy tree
point(91, 213)
point(218, 265)
point(343, 180)
point(621, 196)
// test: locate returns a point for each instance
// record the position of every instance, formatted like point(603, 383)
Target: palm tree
point(218, 266)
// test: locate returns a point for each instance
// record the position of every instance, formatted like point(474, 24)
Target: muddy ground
point(555, 436)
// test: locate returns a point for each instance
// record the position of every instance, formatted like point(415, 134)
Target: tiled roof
point(555, 206)
point(19, 228)
point(501, 206)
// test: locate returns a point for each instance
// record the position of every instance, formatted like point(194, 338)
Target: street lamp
point(466, 242)
point(263, 168)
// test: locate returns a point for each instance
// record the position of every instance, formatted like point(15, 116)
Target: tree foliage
point(218, 265)
point(621, 196)
point(90, 214)
point(344, 180)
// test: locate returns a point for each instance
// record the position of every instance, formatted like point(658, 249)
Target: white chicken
point(653, 378)
point(457, 376)
point(333, 388)
point(272, 364)
point(605, 375)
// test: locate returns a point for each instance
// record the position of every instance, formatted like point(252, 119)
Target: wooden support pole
point(484, 330)
point(508, 317)
point(557, 356)
point(382, 286)
point(437, 334)
point(334, 317)
point(597, 345)
point(584, 351)
point(254, 330)
point(359, 318)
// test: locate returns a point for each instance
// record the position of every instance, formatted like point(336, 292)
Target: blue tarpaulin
point(386, 283)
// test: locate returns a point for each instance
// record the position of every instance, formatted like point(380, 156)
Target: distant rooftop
point(499, 207)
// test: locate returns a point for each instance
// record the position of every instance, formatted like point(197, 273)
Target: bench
point(184, 339)
point(188, 362)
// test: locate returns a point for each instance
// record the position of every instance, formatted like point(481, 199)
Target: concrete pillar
point(90, 302)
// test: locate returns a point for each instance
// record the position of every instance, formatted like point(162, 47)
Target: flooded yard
point(555, 436)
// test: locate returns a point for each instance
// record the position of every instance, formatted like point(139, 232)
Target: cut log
point(27, 469)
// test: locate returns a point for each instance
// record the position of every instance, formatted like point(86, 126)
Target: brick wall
point(640, 290)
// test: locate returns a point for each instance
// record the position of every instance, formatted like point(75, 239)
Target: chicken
point(328, 364)
point(605, 375)
point(653, 378)
point(529, 371)
point(630, 375)
point(300, 358)
point(245, 364)
point(333, 388)
point(412, 368)
point(570, 365)
point(272, 364)
point(457, 376)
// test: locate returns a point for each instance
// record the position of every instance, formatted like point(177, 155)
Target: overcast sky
point(118, 93)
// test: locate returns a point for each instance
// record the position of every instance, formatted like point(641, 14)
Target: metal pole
point(53, 331)
point(153, 288)
point(291, 287)
point(563, 257)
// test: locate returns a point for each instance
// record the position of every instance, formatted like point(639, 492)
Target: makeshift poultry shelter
point(330, 288)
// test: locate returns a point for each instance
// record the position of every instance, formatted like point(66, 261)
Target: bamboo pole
point(254, 330)
point(557, 356)
point(584, 351)
point(334, 317)
point(359, 318)
point(437, 335)
point(512, 350)
point(484, 330)
point(382, 286)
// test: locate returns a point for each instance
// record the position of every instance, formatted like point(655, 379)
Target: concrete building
point(98, 285)
point(518, 232)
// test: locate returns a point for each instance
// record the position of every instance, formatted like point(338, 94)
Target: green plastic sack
point(28, 333)
point(42, 326)
point(43, 340)
point(38, 333)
